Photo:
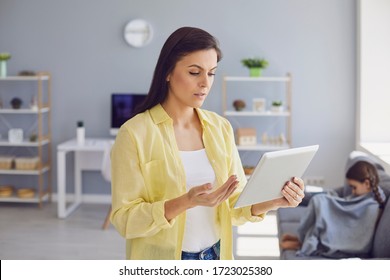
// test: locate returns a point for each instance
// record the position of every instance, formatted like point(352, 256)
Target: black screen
point(122, 107)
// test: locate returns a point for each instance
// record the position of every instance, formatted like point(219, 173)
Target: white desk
point(86, 157)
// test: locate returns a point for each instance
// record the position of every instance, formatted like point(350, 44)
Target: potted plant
point(255, 65)
point(33, 137)
point(277, 106)
point(3, 64)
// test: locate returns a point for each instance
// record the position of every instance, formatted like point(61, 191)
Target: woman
point(176, 172)
point(337, 227)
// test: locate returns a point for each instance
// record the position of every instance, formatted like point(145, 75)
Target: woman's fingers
point(201, 195)
point(226, 188)
point(299, 182)
point(231, 190)
point(227, 192)
point(293, 191)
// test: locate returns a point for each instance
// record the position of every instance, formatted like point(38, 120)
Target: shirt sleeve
point(133, 214)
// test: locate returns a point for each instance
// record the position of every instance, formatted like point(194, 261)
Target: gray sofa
point(288, 219)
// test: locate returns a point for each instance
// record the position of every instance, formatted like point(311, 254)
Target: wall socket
point(314, 181)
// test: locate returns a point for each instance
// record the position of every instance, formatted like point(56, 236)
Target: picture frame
point(259, 104)
point(15, 135)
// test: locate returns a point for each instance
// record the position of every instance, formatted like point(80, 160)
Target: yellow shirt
point(146, 170)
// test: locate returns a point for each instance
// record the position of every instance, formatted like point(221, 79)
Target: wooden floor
point(30, 233)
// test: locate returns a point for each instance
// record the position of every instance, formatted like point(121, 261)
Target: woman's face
point(191, 79)
point(359, 188)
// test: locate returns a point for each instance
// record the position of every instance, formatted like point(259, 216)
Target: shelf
point(35, 199)
point(261, 147)
point(40, 113)
point(285, 114)
point(25, 78)
point(24, 111)
point(24, 143)
point(257, 114)
point(24, 172)
point(257, 79)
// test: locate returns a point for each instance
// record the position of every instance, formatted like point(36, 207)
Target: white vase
point(80, 133)
point(277, 109)
point(3, 68)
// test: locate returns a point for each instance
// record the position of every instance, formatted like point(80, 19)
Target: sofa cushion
point(289, 255)
point(288, 227)
point(290, 214)
point(381, 246)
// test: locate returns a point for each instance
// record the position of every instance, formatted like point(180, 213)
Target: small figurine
point(34, 103)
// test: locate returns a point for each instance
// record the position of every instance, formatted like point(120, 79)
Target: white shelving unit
point(41, 148)
point(244, 116)
point(286, 113)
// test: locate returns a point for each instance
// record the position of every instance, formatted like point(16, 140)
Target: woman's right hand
point(201, 195)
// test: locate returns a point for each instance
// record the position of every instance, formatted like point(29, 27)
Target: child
point(341, 227)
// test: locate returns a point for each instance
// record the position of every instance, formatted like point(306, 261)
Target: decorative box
point(246, 136)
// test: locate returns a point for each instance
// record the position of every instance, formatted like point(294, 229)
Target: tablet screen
point(273, 171)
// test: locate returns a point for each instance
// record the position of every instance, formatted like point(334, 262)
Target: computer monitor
point(122, 108)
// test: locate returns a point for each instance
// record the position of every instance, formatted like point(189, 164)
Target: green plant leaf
point(254, 62)
point(5, 56)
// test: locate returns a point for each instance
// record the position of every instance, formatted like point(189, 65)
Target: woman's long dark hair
point(183, 41)
point(363, 170)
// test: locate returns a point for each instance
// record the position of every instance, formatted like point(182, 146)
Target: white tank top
point(201, 230)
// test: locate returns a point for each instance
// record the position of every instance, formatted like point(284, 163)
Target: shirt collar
point(159, 115)
point(204, 118)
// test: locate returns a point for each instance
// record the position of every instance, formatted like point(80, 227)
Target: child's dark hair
point(363, 170)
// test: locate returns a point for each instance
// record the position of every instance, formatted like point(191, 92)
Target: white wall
point(374, 82)
point(81, 44)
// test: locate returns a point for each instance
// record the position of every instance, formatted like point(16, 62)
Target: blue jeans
point(210, 253)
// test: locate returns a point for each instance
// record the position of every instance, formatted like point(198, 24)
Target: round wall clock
point(138, 33)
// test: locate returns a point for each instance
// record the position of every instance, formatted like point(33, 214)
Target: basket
point(6, 162)
point(25, 193)
point(26, 163)
point(6, 191)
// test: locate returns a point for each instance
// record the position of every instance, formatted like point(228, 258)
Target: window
point(373, 103)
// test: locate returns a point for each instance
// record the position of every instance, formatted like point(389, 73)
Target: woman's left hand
point(293, 192)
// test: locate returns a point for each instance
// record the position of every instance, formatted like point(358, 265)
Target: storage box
point(25, 163)
point(6, 162)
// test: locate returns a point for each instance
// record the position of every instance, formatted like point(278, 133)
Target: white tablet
point(273, 171)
